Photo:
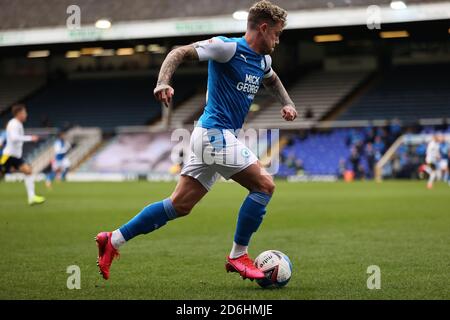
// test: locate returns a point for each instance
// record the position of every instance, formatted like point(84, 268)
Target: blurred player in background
point(2, 146)
point(444, 155)
point(12, 153)
point(60, 164)
point(236, 69)
point(433, 155)
point(2, 141)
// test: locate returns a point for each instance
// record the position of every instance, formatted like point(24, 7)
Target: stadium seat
point(403, 95)
point(105, 103)
point(319, 91)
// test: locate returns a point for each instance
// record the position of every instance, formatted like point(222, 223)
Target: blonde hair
point(17, 108)
point(265, 11)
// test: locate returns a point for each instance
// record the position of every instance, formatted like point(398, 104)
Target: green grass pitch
point(331, 231)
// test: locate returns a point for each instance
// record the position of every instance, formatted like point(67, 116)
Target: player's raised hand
point(289, 113)
point(34, 138)
point(164, 93)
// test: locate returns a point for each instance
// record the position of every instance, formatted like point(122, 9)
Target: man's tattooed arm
point(173, 60)
point(276, 88)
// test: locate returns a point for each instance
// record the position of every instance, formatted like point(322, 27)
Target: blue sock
point(149, 219)
point(250, 216)
point(51, 176)
point(64, 174)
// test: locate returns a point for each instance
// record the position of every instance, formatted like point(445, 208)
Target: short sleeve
point(268, 71)
point(57, 146)
point(215, 49)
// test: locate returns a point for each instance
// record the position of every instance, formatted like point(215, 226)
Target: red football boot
point(245, 266)
point(106, 253)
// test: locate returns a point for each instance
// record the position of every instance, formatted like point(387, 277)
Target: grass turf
point(331, 231)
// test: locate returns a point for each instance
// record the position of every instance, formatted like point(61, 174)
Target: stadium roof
point(24, 22)
point(19, 14)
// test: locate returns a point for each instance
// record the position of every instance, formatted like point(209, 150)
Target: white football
point(277, 268)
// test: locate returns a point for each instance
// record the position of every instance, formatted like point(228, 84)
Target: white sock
point(117, 239)
point(237, 250)
point(29, 185)
point(431, 179)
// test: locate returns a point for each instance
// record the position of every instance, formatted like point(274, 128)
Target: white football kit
point(15, 138)
point(215, 153)
point(433, 153)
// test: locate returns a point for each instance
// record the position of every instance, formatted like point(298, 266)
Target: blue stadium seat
point(407, 93)
point(105, 103)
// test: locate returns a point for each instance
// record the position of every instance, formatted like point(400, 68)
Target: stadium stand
point(104, 103)
point(186, 111)
point(41, 154)
point(319, 154)
point(339, 150)
point(28, 14)
point(84, 142)
point(404, 95)
point(32, 150)
point(410, 157)
point(150, 152)
point(15, 88)
point(130, 153)
point(319, 92)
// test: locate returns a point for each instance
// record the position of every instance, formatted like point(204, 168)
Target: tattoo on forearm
point(276, 88)
point(173, 60)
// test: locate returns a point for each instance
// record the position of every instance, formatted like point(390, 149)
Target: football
point(276, 266)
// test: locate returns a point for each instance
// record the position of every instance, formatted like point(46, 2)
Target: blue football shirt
point(235, 73)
